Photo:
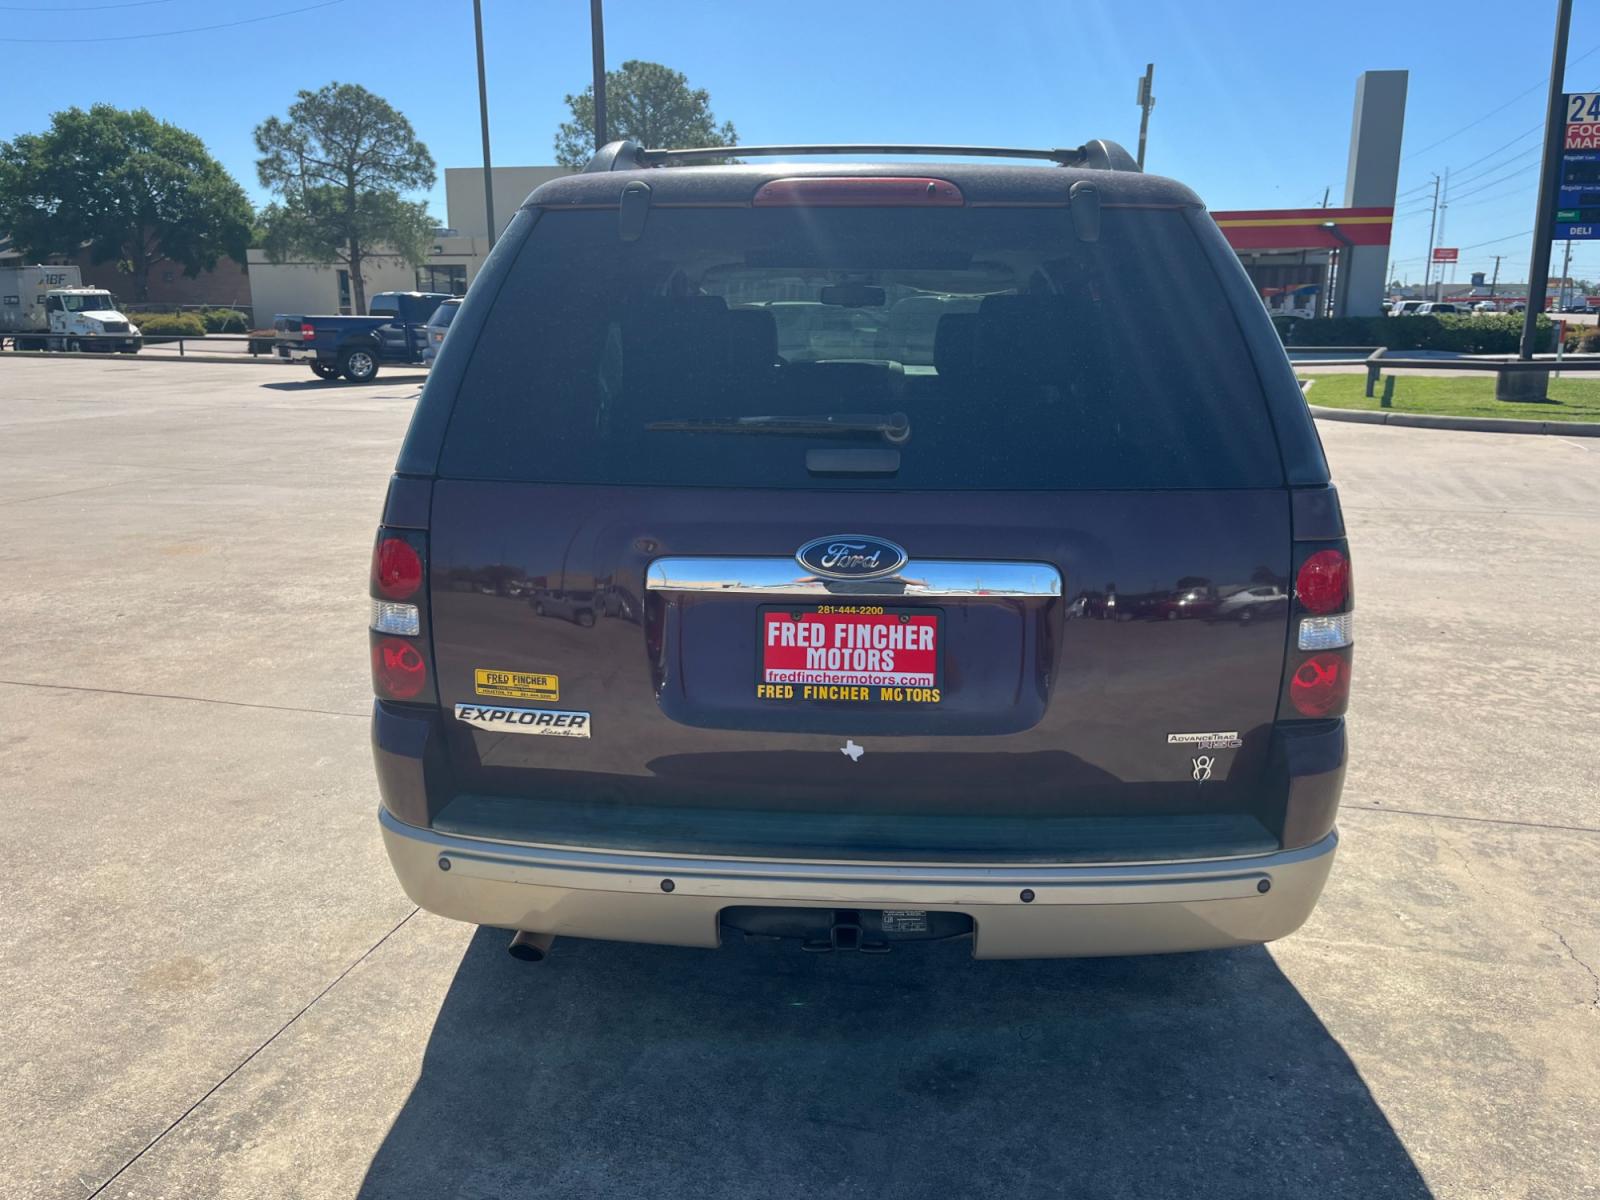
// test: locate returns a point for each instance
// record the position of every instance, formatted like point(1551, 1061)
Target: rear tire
point(74, 346)
point(324, 370)
point(358, 364)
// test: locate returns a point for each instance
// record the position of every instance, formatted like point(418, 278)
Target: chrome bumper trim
point(786, 577)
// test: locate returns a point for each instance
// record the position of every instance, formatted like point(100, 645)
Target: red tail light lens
point(396, 569)
point(1323, 584)
point(398, 671)
point(891, 191)
point(1320, 686)
point(308, 333)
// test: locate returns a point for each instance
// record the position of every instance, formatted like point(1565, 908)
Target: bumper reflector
point(1327, 633)
point(389, 617)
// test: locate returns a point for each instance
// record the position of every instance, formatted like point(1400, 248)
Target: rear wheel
point(358, 364)
point(324, 370)
point(74, 346)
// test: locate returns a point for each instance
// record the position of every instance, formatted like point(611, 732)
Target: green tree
point(135, 190)
point(340, 164)
point(645, 103)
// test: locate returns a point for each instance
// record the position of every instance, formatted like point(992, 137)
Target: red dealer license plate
point(858, 653)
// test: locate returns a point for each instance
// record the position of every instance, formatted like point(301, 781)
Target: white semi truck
point(48, 308)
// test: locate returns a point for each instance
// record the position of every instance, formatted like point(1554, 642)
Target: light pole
point(483, 116)
point(597, 40)
point(1147, 101)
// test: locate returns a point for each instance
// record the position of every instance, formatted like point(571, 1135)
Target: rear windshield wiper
point(895, 427)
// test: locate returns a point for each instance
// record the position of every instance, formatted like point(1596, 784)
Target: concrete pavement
point(216, 989)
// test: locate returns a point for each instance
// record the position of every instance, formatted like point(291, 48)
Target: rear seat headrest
point(955, 345)
point(1024, 337)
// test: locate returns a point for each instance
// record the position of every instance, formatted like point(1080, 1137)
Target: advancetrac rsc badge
point(516, 685)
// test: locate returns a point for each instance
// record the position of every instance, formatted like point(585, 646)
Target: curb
point(1361, 416)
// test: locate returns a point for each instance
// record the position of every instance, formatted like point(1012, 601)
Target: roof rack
point(1097, 154)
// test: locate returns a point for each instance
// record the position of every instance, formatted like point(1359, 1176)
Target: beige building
point(457, 251)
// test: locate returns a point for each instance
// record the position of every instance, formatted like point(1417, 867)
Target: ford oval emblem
point(851, 556)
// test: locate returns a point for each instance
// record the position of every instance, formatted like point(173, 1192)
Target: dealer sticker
point(516, 685)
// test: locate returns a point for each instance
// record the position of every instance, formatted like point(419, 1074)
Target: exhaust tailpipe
point(530, 947)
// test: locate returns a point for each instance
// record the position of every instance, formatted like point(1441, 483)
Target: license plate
point(861, 654)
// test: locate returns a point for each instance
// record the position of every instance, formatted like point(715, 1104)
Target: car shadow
point(762, 1071)
point(335, 385)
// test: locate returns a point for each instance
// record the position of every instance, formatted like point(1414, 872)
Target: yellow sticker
point(517, 685)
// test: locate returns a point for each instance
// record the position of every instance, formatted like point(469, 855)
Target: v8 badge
point(1202, 767)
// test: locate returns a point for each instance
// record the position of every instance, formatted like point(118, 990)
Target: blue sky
point(1253, 100)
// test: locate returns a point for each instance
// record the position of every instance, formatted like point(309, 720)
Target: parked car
point(393, 331)
point(869, 694)
point(1485, 306)
point(437, 324)
point(1250, 604)
point(1577, 306)
point(1404, 308)
point(1434, 308)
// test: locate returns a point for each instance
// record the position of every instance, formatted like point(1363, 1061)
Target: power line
point(1474, 124)
point(135, 37)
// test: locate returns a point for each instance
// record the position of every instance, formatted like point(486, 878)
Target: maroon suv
point(793, 548)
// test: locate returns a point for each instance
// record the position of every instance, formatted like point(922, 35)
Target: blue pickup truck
point(335, 347)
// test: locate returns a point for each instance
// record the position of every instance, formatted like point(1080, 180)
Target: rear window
point(972, 348)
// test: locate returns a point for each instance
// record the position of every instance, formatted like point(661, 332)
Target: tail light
point(308, 333)
point(399, 625)
point(1316, 681)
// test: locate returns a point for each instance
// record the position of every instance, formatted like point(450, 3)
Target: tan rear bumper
point(1094, 909)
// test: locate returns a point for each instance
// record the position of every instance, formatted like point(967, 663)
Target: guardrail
point(258, 344)
point(1506, 370)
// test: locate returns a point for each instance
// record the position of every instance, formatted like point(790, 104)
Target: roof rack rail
point(1097, 154)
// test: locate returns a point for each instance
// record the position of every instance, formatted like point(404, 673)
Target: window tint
point(1017, 356)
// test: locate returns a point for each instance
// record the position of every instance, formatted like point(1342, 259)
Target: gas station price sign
point(1578, 202)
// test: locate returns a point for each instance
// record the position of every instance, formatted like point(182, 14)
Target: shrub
point(225, 320)
point(170, 324)
point(1478, 333)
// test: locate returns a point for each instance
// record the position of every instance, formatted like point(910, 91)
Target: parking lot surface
point(214, 987)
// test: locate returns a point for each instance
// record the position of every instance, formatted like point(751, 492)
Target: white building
point(457, 253)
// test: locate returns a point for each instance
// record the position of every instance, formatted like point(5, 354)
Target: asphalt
point(214, 987)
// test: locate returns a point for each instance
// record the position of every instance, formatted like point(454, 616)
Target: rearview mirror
point(853, 295)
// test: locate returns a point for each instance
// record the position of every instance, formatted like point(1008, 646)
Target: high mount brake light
point(1323, 584)
point(850, 191)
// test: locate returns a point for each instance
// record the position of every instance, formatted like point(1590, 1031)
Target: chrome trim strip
point(785, 577)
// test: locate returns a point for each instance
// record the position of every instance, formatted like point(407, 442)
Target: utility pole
point(1496, 279)
point(1555, 120)
point(1146, 102)
point(1444, 211)
point(1566, 266)
point(483, 116)
point(597, 38)
point(1325, 192)
point(1427, 263)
